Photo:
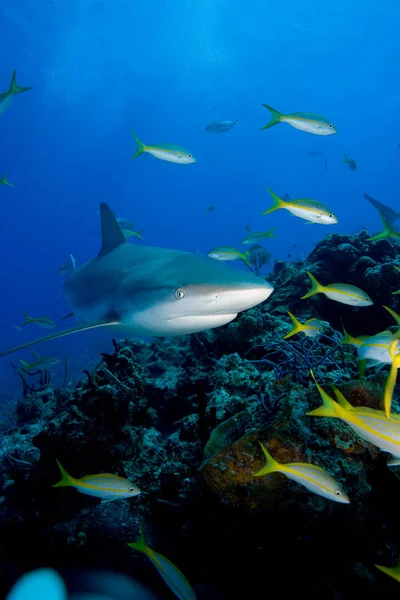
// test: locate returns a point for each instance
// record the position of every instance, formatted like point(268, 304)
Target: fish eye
point(338, 493)
point(132, 489)
point(330, 216)
point(180, 293)
point(330, 126)
point(189, 156)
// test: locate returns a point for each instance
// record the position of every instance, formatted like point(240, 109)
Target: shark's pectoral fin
point(60, 334)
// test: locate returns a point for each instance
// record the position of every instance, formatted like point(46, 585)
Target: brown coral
point(365, 393)
point(230, 473)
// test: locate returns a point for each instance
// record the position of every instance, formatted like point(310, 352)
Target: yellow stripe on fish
point(106, 486)
point(314, 478)
point(371, 425)
point(172, 576)
point(340, 292)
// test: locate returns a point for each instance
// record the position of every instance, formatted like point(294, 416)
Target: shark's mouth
point(177, 325)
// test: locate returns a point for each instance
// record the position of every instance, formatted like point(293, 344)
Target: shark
point(152, 291)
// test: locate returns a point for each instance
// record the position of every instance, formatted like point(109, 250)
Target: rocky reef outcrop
point(182, 419)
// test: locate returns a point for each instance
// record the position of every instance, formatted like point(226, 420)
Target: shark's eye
point(180, 293)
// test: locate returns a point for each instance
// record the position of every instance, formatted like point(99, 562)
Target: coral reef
point(182, 418)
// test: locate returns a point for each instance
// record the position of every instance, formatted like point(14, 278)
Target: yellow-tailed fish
point(376, 348)
point(351, 163)
point(312, 477)
point(391, 571)
point(6, 98)
point(167, 152)
point(341, 292)
point(256, 236)
point(106, 486)
point(229, 253)
point(371, 425)
point(45, 322)
point(3, 181)
point(305, 121)
point(39, 364)
point(309, 210)
point(172, 576)
point(311, 327)
point(387, 232)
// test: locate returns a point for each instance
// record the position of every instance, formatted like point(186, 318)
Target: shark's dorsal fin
point(111, 234)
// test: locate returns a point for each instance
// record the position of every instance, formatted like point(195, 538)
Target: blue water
point(165, 70)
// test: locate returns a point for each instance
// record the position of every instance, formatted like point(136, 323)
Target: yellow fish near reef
point(43, 321)
point(371, 425)
point(305, 121)
point(172, 576)
point(312, 477)
point(167, 152)
point(106, 486)
point(391, 571)
point(341, 292)
point(311, 328)
point(306, 209)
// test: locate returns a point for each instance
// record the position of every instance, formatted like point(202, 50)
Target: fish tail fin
point(277, 203)
point(348, 339)
point(297, 326)
point(141, 148)
point(391, 571)
point(395, 316)
point(66, 479)
point(271, 233)
point(27, 318)
point(236, 121)
point(15, 88)
point(341, 399)
point(276, 117)
point(316, 287)
point(140, 544)
point(27, 366)
point(4, 181)
point(245, 258)
point(387, 231)
point(271, 465)
point(139, 234)
point(345, 160)
point(329, 407)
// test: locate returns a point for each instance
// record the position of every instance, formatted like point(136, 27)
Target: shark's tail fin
point(14, 87)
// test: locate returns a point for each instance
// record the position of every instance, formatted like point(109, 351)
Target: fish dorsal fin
point(111, 234)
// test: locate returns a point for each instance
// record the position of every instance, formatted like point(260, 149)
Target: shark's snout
point(237, 299)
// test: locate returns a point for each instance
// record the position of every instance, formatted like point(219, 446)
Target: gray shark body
point(152, 291)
